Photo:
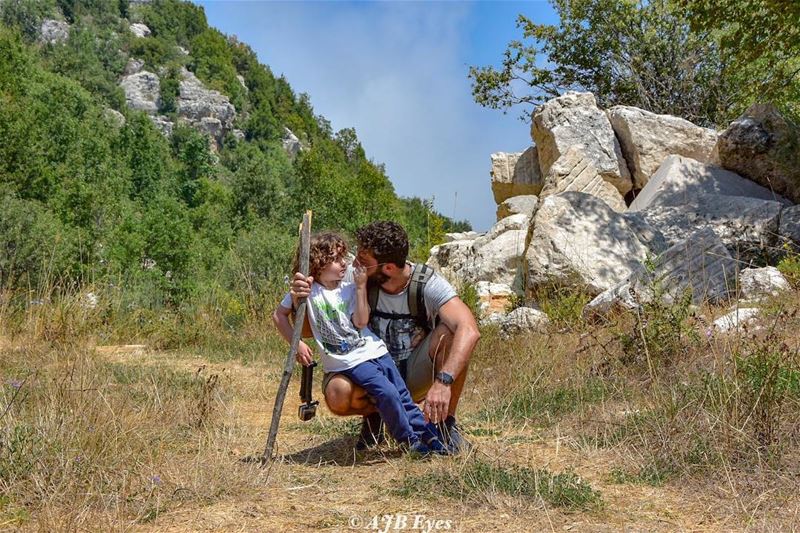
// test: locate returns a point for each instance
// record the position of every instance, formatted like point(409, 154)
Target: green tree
point(761, 40)
point(624, 51)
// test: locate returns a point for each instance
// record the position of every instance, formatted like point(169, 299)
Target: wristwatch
point(444, 378)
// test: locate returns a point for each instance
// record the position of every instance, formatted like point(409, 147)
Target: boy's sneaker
point(372, 433)
point(453, 439)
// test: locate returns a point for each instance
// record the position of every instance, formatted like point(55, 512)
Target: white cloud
point(397, 73)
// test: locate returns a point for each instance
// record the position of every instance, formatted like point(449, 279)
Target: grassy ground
point(649, 425)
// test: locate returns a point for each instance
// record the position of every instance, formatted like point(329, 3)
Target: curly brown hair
point(386, 240)
point(325, 248)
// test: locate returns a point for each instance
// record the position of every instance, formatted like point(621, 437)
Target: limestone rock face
point(498, 255)
point(789, 228)
point(54, 31)
point(736, 319)
point(196, 104)
point(142, 91)
point(493, 300)
point(762, 146)
point(524, 204)
point(679, 180)
point(140, 30)
point(451, 259)
point(114, 117)
point(163, 124)
point(574, 119)
point(576, 234)
point(647, 139)
point(461, 236)
point(523, 319)
point(515, 174)
point(758, 283)
point(291, 144)
point(133, 66)
point(573, 171)
point(747, 226)
point(240, 79)
point(699, 263)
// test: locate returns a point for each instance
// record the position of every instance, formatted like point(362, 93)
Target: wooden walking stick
point(299, 318)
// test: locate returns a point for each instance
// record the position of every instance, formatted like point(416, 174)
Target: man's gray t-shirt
point(402, 335)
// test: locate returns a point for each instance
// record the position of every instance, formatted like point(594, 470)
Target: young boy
point(338, 313)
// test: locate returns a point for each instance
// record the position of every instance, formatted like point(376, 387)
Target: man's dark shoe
point(372, 433)
point(453, 437)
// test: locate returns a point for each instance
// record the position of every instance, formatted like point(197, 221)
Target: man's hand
point(304, 355)
point(301, 286)
point(436, 403)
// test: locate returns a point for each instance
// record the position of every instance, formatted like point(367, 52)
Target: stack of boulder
point(615, 200)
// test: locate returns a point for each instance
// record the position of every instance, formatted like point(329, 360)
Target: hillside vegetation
point(150, 224)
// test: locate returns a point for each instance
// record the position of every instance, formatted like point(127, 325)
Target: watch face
point(445, 378)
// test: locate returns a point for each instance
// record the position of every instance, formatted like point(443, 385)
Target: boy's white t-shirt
point(341, 344)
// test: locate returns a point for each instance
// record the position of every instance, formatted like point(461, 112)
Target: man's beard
point(379, 278)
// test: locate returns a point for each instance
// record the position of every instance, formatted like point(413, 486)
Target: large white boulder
point(736, 319)
point(515, 174)
point(524, 319)
point(680, 179)
point(759, 283)
point(498, 255)
point(574, 119)
point(578, 235)
point(700, 263)
point(450, 259)
point(142, 91)
point(524, 204)
point(647, 139)
point(574, 171)
point(762, 146)
point(747, 226)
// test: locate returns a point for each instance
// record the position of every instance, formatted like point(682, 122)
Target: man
point(433, 354)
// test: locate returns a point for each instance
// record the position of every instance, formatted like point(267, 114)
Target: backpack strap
point(373, 291)
point(416, 294)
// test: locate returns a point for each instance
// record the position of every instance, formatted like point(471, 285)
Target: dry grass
point(574, 430)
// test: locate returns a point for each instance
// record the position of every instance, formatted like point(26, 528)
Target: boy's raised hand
point(359, 274)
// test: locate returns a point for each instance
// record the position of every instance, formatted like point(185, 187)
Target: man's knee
point(338, 395)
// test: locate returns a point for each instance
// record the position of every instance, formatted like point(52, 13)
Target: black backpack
point(416, 298)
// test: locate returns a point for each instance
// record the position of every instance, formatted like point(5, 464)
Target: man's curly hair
point(386, 240)
point(325, 248)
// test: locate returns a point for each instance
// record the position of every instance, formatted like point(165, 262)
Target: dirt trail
point(322, 485)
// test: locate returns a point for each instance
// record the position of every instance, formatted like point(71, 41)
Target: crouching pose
point(425, 326)
point(338, 315)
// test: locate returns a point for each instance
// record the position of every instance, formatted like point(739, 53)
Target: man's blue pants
point(382, 381)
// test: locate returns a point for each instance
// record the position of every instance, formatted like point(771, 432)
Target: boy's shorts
point(419, 371)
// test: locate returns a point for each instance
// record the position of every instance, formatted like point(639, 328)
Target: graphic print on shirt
point(398, 334)
point(337, 333)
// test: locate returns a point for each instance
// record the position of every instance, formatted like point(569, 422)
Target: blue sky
point(397, 73)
